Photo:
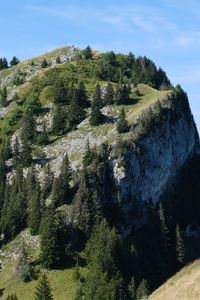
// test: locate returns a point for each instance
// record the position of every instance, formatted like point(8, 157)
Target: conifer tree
point(165, 234)
point(122, 124)
point(103, 281)
point(132, 289)
point(48, 182)
point(26, 157)
point(16, 153)
point(28, 128)
point(75, 113)
point(49, 241)
point(44, 63)
point(60, 92)
point(3, 96)
point(87, 53)
point(15, 61)
point(109, 95)
point(43, 289)
point(61, 187)
point(142, 290)
point(82, 95)
point(58, 126)
point(58, 60)
point(180, 248)
point(96, 116)
point(35, 211)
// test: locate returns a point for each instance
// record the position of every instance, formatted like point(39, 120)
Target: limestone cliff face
point(152, 164)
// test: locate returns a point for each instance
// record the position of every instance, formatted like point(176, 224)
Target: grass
point(62, 282)
point(185, 285)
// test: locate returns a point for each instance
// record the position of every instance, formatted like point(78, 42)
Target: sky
point(166, 31)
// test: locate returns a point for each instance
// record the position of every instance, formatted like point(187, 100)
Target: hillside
point(97, 150)
point(184, 285)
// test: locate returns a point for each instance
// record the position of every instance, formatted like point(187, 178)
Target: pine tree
point(75, 113)
point(15, 61)
point(96, 116)
point(60, 93)
point(87, 53)
point(142, 290)
point(109, 95)
point(132, 289)
point(58, 60)
point(35, 211)
point(103, 281)
point(122, 124)
point(48, 182)
point(82, 95)
point(61, 187)
point(58, 125)
point(180, 248)
point(16, 153)
point(43, 289)
point(28, 128)
point(49, 241)
point(44, 63)
point(26, 157)
point(164, 232)
point(3, 96)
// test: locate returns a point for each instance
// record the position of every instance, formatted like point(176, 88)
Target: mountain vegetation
point(70, 123)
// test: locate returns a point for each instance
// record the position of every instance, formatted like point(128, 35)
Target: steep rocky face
point(152, 164)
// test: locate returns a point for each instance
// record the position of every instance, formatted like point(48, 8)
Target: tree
point(121, 95)
point(58, 60)
point(16, 153)
point(3, 96)
point(50, 252)
point(44, 63)
point(132, 289)
point(60, 92)
point(28, 128)
point(109, 94)
point(180, 248)
point(76, 112)
point(26, 157)
point(82, 95)
point(142, 290)
point(61, 187)
point(165, 238)
point(103, 281)
point(15, 61)
point(43, 289)
point(59, 121)
point(87, 53)
point(3, 63)
point(96, 116)
point(35, 211)
point(122, 124)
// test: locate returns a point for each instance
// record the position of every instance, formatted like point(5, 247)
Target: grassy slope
point(62, 281)
point(185, 285)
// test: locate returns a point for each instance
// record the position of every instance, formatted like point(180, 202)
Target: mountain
point(99, 176)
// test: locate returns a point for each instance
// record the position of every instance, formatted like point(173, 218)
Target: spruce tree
point(3, 96)
point(16, 153)
point(49, 246)
point(109, 95)
point(164, 234)
point(87, 53)
point(180, 248)
point(96, 116)
point(35, 211)
point(82, 95)
point(58, 125)
point(142, 290)
point(61, 186)
point(76, 113)
point(44, 63)
point(43, 289)
point(103, 281)
point(28, 128)
point(58, 60)
point(132, 289)
point(26, 157)
point(60, 92)
point(15, 61)
point(122, 124)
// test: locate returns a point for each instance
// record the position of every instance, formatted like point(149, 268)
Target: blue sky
point(167, 31)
